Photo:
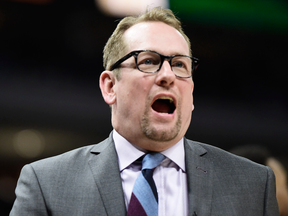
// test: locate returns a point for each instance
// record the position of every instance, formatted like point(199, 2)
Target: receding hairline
point(127, 42)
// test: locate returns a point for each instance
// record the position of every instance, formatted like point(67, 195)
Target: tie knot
point(152, 160)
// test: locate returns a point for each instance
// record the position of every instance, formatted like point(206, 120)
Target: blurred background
point(51, 59)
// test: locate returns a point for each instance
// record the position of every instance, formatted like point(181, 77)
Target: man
point(148, 85)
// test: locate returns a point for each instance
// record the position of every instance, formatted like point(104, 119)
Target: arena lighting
point(29, 143)
point(120, 8)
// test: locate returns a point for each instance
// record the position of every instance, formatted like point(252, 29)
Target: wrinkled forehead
point(156, 36)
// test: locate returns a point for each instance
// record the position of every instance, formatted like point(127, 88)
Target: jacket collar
point(105, 169)
point(199, 178)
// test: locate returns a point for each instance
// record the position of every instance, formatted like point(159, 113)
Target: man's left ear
point(192, 96)
point(107, 86)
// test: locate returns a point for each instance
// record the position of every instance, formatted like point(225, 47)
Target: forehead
point(156, 36)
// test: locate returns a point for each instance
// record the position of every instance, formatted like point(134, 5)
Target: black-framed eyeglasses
point(149, 61)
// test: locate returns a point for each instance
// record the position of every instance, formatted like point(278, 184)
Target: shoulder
point(66, 157)
point(228, 171)
point(73, 159)
point(224, 161)
point(232, 179)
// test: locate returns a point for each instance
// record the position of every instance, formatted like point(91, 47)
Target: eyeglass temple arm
point(114, 66)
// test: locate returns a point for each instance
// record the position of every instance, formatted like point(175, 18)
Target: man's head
point(116, 46)
point(151, 110)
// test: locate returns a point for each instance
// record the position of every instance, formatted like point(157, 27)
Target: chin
point(160, 135)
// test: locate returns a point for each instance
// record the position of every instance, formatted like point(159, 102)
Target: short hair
point(116, 47)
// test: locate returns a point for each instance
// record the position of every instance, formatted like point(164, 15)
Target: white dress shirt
point(170, 176)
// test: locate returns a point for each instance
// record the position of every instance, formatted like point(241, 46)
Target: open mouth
point(164, 105)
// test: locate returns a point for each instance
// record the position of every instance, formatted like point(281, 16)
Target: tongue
point(160, 106)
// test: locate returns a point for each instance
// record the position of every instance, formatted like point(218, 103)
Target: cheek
point(187, 93)
point(187, 103)
point(135, 95)
point(135, 90)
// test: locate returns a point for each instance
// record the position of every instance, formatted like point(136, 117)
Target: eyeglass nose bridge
point(169, 59)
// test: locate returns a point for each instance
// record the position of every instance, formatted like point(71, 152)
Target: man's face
point(142, 112)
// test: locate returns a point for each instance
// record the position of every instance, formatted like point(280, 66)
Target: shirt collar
point(128, 153)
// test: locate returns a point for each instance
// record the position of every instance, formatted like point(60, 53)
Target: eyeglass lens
point(150, 62)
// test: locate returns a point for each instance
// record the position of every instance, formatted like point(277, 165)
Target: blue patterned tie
point(144, 198)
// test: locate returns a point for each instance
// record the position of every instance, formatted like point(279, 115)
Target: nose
point(165, 76)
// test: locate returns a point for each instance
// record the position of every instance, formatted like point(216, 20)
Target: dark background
point(51, 59)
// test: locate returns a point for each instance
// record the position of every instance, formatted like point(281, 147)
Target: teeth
point(166, 98)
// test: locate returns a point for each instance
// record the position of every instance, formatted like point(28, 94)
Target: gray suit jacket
point(86, 181)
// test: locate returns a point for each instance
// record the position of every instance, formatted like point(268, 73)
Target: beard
point(156, 134)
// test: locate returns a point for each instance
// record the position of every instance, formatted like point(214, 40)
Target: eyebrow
point(173, 53)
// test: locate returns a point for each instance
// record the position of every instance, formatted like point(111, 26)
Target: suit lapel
point(199, 177)
point(105, 169)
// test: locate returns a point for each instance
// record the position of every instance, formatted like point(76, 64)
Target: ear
point(192, 96)
point(107, 86)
